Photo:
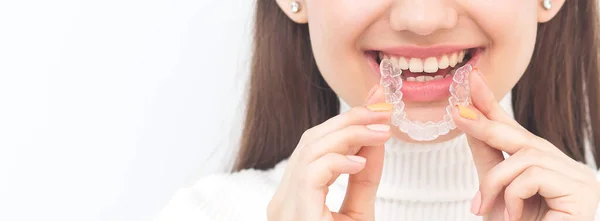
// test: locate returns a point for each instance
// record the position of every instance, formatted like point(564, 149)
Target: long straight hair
point(557, 98)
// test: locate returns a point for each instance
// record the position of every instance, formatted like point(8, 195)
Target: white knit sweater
point(419, 182)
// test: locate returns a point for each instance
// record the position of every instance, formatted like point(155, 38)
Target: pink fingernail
point(476, 203)
point(379, 127)
point(357, 159)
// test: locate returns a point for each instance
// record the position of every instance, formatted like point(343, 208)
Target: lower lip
point(429, 91)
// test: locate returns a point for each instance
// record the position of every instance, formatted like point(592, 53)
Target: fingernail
point(357, 159)
point(476, 203)
point(506, 215)
point(467, 113)
point(371, 92)
point(379, 127)
point(380, 107)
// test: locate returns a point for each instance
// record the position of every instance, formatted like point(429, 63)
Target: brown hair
point(557, 98)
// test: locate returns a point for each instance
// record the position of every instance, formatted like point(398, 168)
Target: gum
point(423, 131)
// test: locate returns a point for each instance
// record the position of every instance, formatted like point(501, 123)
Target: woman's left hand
point(537, 181)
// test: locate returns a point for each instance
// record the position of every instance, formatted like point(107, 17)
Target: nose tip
point(422, 24)
point(422, 17)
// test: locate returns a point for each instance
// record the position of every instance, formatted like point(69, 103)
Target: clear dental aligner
point(391, 80)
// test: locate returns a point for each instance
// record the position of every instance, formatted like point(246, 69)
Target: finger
point(374, 112)
point(340, 217)
point(319, 173)
point(355, 116)
point(493, 183)
point(372, 92)
point(536, 180)
point(495, 134)
point(359, 202)
point(553, 215)
point(376, 96)
point(485, 101)
point(346, 141)
point(485, 158)
point(343, 139)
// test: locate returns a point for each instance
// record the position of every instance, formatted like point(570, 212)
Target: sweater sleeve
point(185, 205)
point(223, 197)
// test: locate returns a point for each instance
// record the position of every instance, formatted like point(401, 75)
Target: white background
point(108, 107)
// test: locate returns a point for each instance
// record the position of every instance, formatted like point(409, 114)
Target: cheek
point(335, 29)
point(511, 27)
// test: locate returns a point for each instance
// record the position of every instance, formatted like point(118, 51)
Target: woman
point(302, 158)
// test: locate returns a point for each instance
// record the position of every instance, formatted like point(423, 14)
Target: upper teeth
point(427, 65)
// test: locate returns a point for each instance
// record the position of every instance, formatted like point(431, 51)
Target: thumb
point(359, 202)
point(471, 120)
point(485, 158)
point(484, 104)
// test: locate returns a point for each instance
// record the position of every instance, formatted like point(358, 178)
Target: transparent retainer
point(423, 131)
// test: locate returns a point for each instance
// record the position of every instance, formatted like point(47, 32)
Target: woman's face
point(425, 37)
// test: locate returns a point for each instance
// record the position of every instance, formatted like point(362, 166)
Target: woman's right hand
point(350, 143)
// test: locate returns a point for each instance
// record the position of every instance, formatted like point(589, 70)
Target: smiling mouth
point(427, 69)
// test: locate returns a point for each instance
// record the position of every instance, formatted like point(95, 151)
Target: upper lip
point(424, 52)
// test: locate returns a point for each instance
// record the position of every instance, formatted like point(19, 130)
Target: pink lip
point(427, 91)
point(423, 52)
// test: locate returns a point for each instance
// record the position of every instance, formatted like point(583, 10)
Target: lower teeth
point(426, 78)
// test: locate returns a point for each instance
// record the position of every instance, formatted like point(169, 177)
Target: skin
point(538, 182)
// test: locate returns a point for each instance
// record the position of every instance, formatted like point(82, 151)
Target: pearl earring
point(547, 4)
point(295, 7)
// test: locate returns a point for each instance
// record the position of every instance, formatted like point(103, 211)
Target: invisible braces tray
point(423, 131)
